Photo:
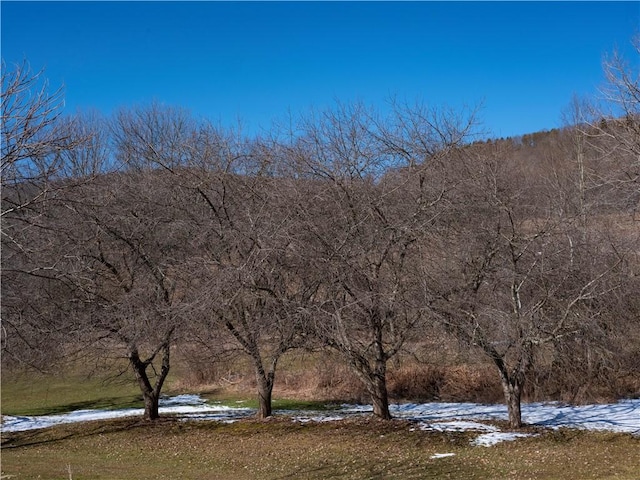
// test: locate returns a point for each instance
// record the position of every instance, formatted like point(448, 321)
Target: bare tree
point(123, 245)
point(112, 246)
point(37, 145)
point(622, 95)
point(361, 221)
point(34, 136)
point(611, 126)
point(254, 292)
point(243, 291)
point(251, 288)
point(518, 275)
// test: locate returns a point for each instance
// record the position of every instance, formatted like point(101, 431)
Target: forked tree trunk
point(265, 380)
point(512, 381)
point(150, 393)
point(512, 386)
point(513, 396)
point(375, 382)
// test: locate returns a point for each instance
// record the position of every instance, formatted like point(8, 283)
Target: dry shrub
point(195, 371)
point(461, 383)
point(325, 376)
point(585, 382)
point(296, 376)
point(471, 383)
point(288, 382)
point(416, 382)
point(335, 381)
point(317, 376)
point(581, 372)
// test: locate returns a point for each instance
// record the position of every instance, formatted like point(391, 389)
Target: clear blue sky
point(257, 61)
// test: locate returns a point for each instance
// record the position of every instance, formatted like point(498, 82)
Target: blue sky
point(255, 62)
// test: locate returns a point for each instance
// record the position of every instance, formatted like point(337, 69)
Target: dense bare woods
point(151, 232)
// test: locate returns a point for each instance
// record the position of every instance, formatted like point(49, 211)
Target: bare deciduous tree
point(34, 136)
point(36, 144)
point(361, 224)
point(127, 247)
point(516, 275)
point(611, 126)
point(243, 294)
point(250, 288)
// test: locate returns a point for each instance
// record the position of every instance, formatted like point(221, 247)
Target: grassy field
point(277, 448)
point(280, 448)
point(39, 395)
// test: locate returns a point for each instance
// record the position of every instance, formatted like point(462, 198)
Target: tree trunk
point(265, 380)
point(374, 379)
point(512, 389)
point(380, 397)
point(151, 406)
point(150, 394)
point(512, 396)
point(512, 382)
point(265, 387)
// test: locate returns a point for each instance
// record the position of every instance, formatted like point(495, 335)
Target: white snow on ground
point(623, 416)
point(442, 455)
point(184, 405)
point(490, 439)
point(181, 400)
point(458, 426)
point(493, 435)
point(317, 418)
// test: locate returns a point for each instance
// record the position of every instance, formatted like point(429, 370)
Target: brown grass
point(280, 448)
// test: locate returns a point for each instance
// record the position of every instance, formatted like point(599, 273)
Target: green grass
point(279, 448)
point(40, 395)
point(236, 400)
point(294, 404)
point(73, 387)
point(36, 395)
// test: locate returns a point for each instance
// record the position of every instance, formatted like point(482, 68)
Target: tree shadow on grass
point(618, 417)
point(451, 467)
point(105, 403)
point(59, 433)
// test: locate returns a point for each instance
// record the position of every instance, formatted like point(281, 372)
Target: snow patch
point(442, 455)
point(317, 418)
point(490, 439)
point(187, 399)
point(186, 405)
point(458, 426)
point(623, 416)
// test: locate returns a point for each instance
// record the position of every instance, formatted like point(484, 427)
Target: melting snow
point(190, 406)
point(490, 439)
point(623, 416)
point(458, 426)
point(442, 455)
